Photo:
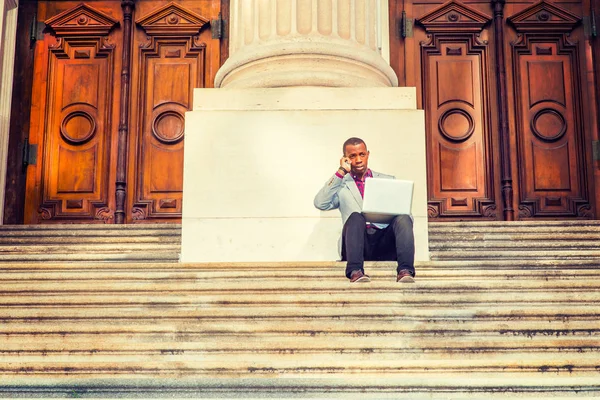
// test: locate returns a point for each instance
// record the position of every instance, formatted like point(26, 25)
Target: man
point(360, 240)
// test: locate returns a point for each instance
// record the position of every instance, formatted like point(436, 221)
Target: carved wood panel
point(159, 188)
point(455, 99)
point(552, 168)
point(171, 63)
point(549, 120)
point(76, 131)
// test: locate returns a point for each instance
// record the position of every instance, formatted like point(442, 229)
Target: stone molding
point(8, 31)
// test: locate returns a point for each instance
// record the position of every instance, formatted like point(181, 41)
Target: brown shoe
point(359, 276)
point(405, 276)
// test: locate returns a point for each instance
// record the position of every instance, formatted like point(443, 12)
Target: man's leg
point(405, 243)
point(397, 242)
point(353, 243)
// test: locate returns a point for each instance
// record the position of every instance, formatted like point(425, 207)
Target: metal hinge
point(30, 152)
point(406, 26)
point(217, 27)
point(596, 150)
point(589, 26)
point(36, 31)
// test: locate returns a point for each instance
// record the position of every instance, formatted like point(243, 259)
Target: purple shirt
point(360, 184)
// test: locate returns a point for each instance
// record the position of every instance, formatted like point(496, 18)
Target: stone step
point(89, 248)
point(300, 366)
point(435, 270)
point(398, 385)
point(355, 362)
point(140, 256)
point(391, 299)
point(510, 229)
point(438, 332)
point(484, 268)
point(309, 276)
point(387, 283)
point(164, 332)
point(507, 231)
point(558, 224)
point(290, 344)
point(34, 229)
point(520, 236)
point(267, 312)
point(478, 254)
point(297, 267)
point(510, 245)
point(90, 234)
point(88, 240)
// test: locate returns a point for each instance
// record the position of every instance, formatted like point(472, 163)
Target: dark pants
point(395, 242)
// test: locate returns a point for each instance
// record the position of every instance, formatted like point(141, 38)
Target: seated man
point(360, 240)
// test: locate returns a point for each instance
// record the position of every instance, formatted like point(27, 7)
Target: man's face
point(359, 157)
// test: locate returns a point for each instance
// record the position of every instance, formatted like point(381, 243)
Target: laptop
point(386, 198)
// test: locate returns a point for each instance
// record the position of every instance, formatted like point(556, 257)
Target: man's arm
point(327, 198)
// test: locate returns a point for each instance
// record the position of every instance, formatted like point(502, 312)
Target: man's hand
point(345, 164)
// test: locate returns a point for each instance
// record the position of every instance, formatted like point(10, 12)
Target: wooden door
point(509, 113)
point(170, 61)
point(552, 111)
point(112, 81)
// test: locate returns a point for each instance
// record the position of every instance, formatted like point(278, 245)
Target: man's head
point(356, 151)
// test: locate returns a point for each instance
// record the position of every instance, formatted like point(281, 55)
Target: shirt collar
point(368, 174)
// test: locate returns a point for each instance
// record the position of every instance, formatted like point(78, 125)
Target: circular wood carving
point(77, 127)
point(453, 16)
point(456, 125)
point(168, 126)
point(543, 16)
point(548, 125)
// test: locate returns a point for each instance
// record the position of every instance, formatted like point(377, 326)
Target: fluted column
point(278, 43)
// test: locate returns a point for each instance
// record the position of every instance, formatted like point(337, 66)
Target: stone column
point(283, 43)
point(8, 31)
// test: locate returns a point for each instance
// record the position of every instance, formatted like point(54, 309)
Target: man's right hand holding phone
point(344, 165)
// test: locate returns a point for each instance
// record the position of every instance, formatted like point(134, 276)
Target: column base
point(251, 174)
point(321, 64)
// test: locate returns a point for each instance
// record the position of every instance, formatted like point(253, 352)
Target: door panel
point(172, 61)
point(550, 133)
point(460, 181)
point(455, 97)
point(76, 166)
point(75, 125)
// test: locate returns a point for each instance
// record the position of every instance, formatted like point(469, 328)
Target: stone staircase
point(510, 325)
point(539, 240)
point(78, 243)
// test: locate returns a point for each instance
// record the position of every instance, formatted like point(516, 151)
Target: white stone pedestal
point(255, 158)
